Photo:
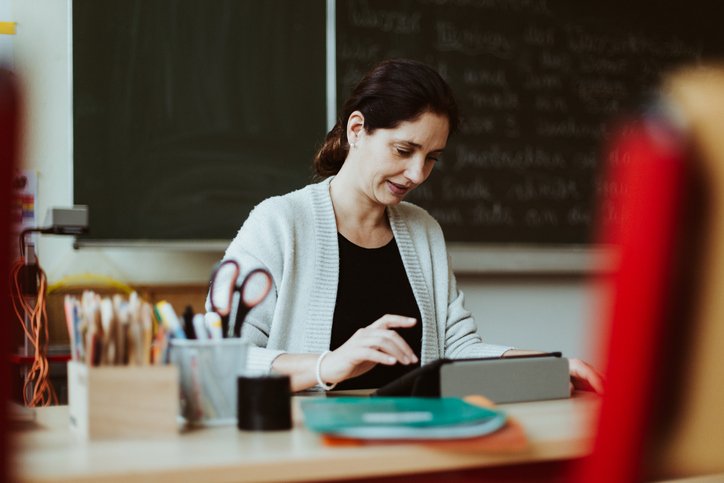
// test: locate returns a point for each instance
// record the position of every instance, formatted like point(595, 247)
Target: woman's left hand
point(584, 377)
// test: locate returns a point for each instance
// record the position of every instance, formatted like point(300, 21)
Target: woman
point(363, 291)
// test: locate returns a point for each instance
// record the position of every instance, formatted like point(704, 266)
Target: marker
point(200, 327)
point(169, 319)
point(213, 325)
point(189, 327)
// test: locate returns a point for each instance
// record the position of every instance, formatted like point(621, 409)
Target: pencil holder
point(118, 402)
point(208, 371)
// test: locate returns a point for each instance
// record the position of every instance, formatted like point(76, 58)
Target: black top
point(372, 283)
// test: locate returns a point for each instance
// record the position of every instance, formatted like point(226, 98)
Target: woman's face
point(392, 162)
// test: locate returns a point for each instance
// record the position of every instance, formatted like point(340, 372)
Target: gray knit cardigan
point(295, 237)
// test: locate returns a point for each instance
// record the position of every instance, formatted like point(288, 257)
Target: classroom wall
point(551, 313)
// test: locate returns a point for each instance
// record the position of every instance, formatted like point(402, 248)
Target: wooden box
point(117, 402)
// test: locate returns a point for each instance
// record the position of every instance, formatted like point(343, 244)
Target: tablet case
point(502, 380)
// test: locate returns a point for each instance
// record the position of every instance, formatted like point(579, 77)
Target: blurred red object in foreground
point(642, 222)
point(661, 412)
point(8, 157)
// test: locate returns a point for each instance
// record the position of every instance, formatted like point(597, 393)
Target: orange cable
point(37, 332)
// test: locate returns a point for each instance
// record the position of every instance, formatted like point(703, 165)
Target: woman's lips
point(397, 189)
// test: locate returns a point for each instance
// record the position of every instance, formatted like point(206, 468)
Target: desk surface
point(47, 451)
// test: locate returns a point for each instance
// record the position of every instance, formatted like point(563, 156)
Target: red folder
point(645, 222)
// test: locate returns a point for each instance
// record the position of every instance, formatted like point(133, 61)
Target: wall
point(534, 312)
point(554, 313)
point(6, 41)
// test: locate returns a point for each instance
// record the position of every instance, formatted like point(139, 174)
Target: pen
point(123, 339)
point(69, 306)
point(107, 335)
point(134, 333)
point(94, 334)
point(147, 329)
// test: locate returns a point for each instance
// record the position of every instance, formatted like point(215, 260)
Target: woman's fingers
point(585, 375)
point(382, 327)
point(390, 321)
point(373, 355)
point(356, 357)
point(378, 343)
point(389, 342)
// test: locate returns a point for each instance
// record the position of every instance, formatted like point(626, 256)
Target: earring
point(354, 145)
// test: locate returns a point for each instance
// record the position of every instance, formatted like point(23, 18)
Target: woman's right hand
point(375, 344)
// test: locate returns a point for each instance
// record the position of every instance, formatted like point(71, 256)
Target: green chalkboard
point(541, 84)
point(187, 113)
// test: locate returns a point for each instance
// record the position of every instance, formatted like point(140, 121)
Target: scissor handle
point(262, 293)
point(232, 286)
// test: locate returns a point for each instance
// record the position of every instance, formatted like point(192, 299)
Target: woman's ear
point(355, 127)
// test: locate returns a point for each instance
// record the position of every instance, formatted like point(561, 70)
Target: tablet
point(502, 380)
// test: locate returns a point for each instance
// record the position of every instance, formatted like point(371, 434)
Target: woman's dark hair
point(392, 92)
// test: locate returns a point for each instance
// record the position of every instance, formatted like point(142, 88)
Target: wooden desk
point(47, 451)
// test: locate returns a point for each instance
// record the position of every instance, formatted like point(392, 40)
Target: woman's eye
point(435, 157)
point(403, 152)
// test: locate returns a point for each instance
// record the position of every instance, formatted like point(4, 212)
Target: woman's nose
point(415, 171)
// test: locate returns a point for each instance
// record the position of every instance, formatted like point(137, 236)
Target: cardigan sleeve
point(461, 332)
point(256, 246)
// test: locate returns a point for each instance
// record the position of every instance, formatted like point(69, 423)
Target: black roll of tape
point(264, 403)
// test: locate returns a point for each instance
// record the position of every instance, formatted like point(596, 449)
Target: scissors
point(252, 290)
